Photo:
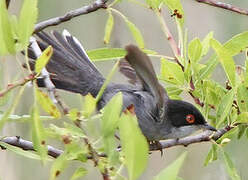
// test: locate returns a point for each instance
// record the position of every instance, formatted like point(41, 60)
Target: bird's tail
point(70, 67)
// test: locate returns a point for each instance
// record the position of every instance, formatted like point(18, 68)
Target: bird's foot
point(158, 146)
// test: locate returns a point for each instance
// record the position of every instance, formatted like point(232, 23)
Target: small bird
point(159, 117)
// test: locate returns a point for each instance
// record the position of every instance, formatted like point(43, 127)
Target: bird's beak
point(208, 127)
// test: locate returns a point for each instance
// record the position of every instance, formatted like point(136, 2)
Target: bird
point(159, 116)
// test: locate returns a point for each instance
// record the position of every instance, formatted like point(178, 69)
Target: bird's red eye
point(190, 118)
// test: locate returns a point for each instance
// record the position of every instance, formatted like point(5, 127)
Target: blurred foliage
point(223, 105)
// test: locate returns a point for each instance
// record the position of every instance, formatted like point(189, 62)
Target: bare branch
point(98, 4)
point(28, 146)
point(53, 152)
point(224, 6)
point(202, 137)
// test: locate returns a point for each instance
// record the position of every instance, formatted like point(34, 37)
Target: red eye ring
point(190, 118)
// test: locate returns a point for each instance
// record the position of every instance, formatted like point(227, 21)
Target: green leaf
point(224, 108)
point(108, 27)
point(7, 42)
point(38, 134)
point(47, 104)
point(136, 34)
point(74, 114)
point(27, 20)
point(89, 105)
point(212, 155)
point(111, 115)
point(58, 166)
point(134, 145)
point(237, 43)
point(242, 118)
point(171, 172)
point(104, 54)
point(242, 98)
point(24, 118)
point(80, 172)
point(171, 72)
point(209, 68)
point(19, 151)
point(206, 43)
point(195, 50)
point(42, 61)
point(109, 123)
point(226, 61)
point(230, 167)
point(176, 5)
point(69, 130)
point(230, 135)
point(154, 4)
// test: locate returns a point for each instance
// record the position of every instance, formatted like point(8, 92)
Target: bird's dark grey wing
point(126, 69)
point(144, 70)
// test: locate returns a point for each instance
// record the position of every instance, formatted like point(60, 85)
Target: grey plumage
point(72, 70)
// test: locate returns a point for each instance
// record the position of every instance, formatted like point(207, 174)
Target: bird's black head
point(181, 114)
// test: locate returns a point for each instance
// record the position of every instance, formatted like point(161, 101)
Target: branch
point(98, 4)
point(16, 84)
point(224, 6)
point(53, 152)
point(202, 137)
point(28, 145)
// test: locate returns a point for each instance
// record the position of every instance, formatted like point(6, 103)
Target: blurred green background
point(89, 29)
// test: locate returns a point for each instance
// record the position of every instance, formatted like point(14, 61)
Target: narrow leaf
point(38, 134)
point(58, 166)
point(206, 43)
point(134, 145)
point(28, 17)
point(195, 50)
point(111, 115)
point(242, 98)
point(226, 61)
point(237, 43)
point(212, 155)
point(47, 104)
point(42, 61)
point(230, 167)
point(171, 72)
point(136, 34)
point(105, 54)
point(223, 109)
point(21, 152)
point(108, 27)
point(171, 172)
point(79, 173)
point(176, 5)
point(7, 42)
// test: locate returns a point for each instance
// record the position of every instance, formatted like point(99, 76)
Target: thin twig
point(17, 84)
point(98, 4)
point(224, 6)
point(168, 34)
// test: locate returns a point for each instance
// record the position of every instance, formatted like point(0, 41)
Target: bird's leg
point(158, 145)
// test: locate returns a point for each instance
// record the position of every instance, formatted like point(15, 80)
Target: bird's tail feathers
point(70, 67)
